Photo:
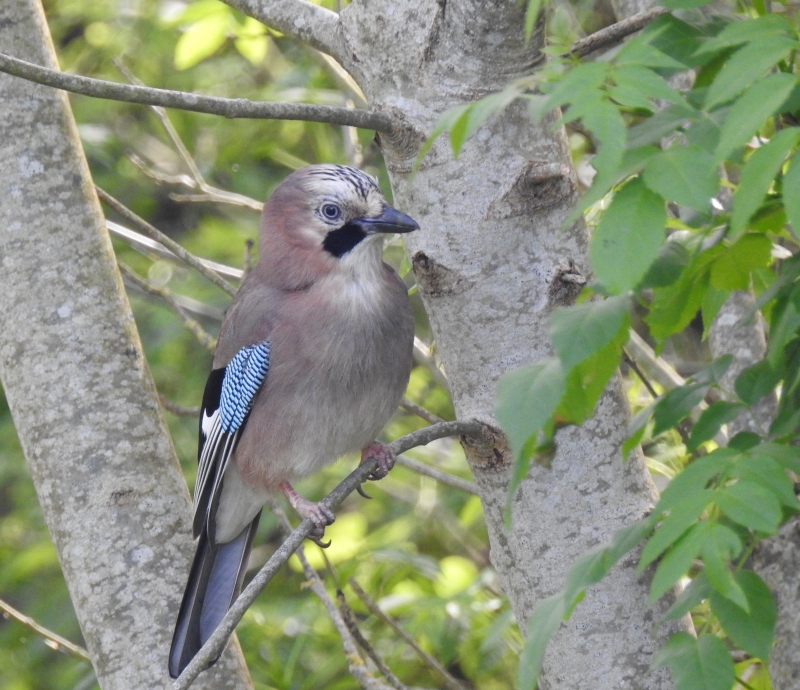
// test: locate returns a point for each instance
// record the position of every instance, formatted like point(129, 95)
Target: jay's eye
point(331, 211)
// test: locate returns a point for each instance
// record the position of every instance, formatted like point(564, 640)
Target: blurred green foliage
point(419, 549)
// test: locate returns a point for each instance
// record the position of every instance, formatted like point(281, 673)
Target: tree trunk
point(80, 391)
point(776, 559)
point(489, 261)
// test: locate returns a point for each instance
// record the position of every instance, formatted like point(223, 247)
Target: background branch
point(611, 35)
point(52, 640)
point(211, 105)
point(311, 24)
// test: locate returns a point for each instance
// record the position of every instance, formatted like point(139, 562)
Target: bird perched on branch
point(312, 359)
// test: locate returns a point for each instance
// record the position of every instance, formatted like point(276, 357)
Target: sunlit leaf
point(731, 270)
point(201, 40)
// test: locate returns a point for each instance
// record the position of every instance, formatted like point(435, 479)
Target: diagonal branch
point(181, 100)
point(52, 640)
point(169, 243)
point(299, 19)
point(212, 648)
point(611, 35)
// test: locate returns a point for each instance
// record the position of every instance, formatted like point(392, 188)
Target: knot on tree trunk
point(489, 452)
point(537, 186)
point(434, 279)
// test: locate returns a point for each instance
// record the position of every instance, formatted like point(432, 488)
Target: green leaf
point(606, 123)
point(636, 431)
point(640, 52)
point(763, 470)
point(731, 271)
point(702, 663)
point(673, 307)
point(594, 565)
point(786, 456)
point(629, 237)
point(646, 82)
point(738, 32)
point(751, 505)
point(677, 561)
point(747, 65)
point(785, 324)
point(476, 114)
point(579, 331)
point(584, 81)
point(695, 476)
point(673, 257)
point(544, 621)
point(756, 381)
point(660, 125)
point(757, 176)
point(791, 195)
point(201, 40)
point(587, 381)
point(711, 421)
point(676, 404)
point(686, 175)
point(531, 15)
point(527, 398)
point(693, 595)
point(720, 545)
point(675, 38)
point(713, 301)
point(753, 632)
point(445, 122)
point(680, 519)
point(751, 110)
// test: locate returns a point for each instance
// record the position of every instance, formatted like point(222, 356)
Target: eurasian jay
point(312, 359)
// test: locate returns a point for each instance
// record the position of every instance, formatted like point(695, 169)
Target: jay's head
point(325, 219)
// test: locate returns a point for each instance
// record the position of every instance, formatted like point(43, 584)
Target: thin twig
point(178, 410)
point(52, 640)
point(165, 295)
point(355, 662)
point(197, 180)
point(413, 408)
point(440, 476)
point(613, 34)
point(352, 625)
point(212, 648)
point(376, 610)
point(148, 246)
point(169, 243)
point(632, 364)
point(181, 100)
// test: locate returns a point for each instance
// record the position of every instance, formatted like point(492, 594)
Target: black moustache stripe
point(340, 241)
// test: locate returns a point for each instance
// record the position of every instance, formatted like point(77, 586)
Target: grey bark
point(80, 391)
point(776, 559)
point(488, 262)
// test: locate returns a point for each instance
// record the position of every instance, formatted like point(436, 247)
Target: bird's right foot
point(318, 513)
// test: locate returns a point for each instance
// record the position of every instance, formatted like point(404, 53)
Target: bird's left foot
point(318, 513)
point(383, 454)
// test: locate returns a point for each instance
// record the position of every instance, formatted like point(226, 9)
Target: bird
point(313, 357)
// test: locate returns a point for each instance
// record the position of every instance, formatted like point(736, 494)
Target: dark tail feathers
point(215, 581)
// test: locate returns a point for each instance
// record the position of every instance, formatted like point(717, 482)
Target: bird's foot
point(318, 513)
point(383, 454)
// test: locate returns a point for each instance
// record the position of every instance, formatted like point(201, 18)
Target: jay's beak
point(391, 220)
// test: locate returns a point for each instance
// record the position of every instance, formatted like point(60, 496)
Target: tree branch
point(373, 607)
point(218, 639)
point(169, 243)
point(613, 34)
point(181, 100)
point(442, 477)
point(165, 295)
point(299, 19)
point(52, 640)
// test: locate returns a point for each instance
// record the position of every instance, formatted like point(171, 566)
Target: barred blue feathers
point(243, 375)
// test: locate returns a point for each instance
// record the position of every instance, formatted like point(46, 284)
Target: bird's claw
point(360, 489)
point(385, 457)
point(318, 513)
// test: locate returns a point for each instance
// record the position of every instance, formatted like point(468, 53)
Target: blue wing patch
point(226, 403)
point(243, 375)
